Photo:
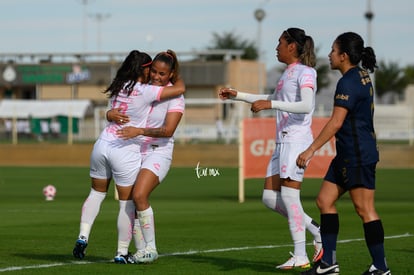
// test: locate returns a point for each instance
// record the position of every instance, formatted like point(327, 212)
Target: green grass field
point(201, 227)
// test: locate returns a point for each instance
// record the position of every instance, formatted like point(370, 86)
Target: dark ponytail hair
point(304, 45)
point(130, 71)
point(353, 45)
point(169, 57)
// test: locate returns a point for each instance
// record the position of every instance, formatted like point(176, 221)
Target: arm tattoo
point(155, 132)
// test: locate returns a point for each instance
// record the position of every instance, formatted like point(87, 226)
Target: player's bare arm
point(330, 129)
point(131, 132)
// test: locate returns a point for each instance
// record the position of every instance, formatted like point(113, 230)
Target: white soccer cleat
point(147, 256)
point(138, 255)
point(295, 261)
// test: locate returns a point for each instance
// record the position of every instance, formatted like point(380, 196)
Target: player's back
point(136, 104)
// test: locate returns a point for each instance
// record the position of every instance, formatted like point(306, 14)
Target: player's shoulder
point(305, 69)
point(351, 80)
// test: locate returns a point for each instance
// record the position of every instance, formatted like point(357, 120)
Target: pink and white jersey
point(291, 127)
point(137, 106)
point(156, 119)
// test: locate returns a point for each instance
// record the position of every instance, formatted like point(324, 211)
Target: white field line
point(16, 268)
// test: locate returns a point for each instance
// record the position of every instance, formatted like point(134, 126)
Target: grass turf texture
point(201, 228)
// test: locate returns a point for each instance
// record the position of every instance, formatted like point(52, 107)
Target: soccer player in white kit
point(157, 150)
point(117, 158)
point(294, 100)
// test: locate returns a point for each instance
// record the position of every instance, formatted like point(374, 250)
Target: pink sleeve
point(307, 79)
point(159, 92)
point(176, 105)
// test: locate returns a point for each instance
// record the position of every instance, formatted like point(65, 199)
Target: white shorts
point(122, 163)
point(158, 160)
point(283, 161)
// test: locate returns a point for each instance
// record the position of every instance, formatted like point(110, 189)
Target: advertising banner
point(258, 138)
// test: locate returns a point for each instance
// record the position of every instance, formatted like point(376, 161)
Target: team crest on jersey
point(136, 92)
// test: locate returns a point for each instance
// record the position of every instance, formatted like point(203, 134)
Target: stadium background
point(79, 77)
point(185, 155)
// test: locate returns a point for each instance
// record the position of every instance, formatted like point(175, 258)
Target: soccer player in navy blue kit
point(353, 168)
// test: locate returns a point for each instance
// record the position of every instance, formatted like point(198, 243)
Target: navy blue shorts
point(351, 177)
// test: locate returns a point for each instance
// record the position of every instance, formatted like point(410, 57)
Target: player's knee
point(269, 199)
point(140, 199)
point(136, 197)
point(321, 203)
point(366, 213)
point(363, 213)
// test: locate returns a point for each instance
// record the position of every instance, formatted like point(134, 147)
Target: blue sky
point(42, 26)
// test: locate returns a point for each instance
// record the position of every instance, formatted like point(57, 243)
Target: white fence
point(392, 123)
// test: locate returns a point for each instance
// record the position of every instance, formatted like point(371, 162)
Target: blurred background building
point(30, 81)
point(52, 96)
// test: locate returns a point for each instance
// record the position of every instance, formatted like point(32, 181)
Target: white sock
point(291, 198)
point(90, 210)
point(138, 236)
point(146, 220)
point(313, 228)
point(125, 223)
point(273, 200)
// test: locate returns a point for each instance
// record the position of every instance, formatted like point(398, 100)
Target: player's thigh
point(272, 179)
point(273, 167)
point(125, 164)
point(99, 165)
point(145, 184)
point(272, 183)
point(100, 185)
point(158, 162)
point(288, 155)
point(124, 192)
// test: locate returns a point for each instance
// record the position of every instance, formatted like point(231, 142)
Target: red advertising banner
point(258, 138)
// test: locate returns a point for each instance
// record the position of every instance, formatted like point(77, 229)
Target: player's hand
point(129, 132)
point(304, 158)
point(260, 105)
point(117, 115)
point(227, 93)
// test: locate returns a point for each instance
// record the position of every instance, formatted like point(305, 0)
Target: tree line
point(390, 77)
